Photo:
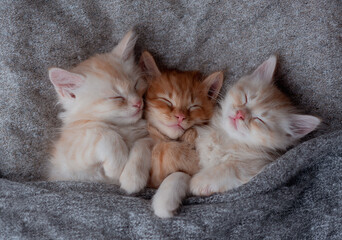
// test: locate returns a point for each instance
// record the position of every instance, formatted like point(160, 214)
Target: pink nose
point(240, 115)
point(180, 117)
point(137, 104)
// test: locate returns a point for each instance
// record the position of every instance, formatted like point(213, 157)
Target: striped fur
point(171, 94)
point(177, 102)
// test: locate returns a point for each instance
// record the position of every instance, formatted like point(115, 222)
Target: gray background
point(296, 197)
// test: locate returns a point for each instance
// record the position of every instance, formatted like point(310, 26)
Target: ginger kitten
point(176, 102)
point(103, 137)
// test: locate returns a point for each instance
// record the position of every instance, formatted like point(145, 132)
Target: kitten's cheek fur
point(129, 120)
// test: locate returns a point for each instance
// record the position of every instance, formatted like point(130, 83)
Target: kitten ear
point(125, 48)
point(148, 65)
point(65, 82)
point(300, 125)
point(266, 70)
point(214, 84)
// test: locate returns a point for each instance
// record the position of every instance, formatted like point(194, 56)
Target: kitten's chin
point(136, 116)
point(175, 133)
point(234, 129)
point(134, 119)
point(172, 132)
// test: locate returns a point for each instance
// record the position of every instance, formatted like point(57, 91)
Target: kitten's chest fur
point(215, 147)
point(133, 132)
point(129, 133)
point(84, 146)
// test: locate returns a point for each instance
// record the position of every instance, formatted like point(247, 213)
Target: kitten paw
point(200, 186)
point(132, 181)
point(189, 136)
point(170, 194)
point(162, 209)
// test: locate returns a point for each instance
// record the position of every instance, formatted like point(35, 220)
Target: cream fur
point(103, 137)
point(231, 153)
point(170, 194)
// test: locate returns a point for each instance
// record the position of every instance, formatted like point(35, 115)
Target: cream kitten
point(103, 137)
point(255, 124)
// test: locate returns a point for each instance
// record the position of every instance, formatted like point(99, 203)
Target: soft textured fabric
point(297, 197)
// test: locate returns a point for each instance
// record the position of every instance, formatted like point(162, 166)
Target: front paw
point(189, 136)
point(200, 185)
point(132, 180)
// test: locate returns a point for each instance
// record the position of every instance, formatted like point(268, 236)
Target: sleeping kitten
point(256, 123)
point(103, 137)
point(175, 103)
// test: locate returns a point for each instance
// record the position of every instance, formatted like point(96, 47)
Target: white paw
point(163, 211)
point(170, 194)
point(132, 180)
point(162, 207)
point(201, 186)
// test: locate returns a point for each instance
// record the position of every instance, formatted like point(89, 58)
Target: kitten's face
point(111, 93)
point(106, 87)
point(176, 101)
point(254, 111)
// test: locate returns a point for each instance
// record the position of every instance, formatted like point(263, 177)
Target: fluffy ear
point(125, 48)
point(148, 65)
point(266, 70)
point(300, 125)
point(214, 84)
point(65, 82)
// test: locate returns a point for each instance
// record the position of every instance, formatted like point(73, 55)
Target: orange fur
point(172, 156)
point(171, 94)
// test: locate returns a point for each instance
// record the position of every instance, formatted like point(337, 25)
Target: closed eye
point(259, 120)
point(246, 99)
point(165, 101)
point(194, 107)
point(117, 98)
point(136, 85)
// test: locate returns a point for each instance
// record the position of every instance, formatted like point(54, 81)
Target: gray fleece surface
point(297, 197)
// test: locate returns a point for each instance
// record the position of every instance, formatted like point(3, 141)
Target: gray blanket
point(296, 197)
